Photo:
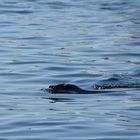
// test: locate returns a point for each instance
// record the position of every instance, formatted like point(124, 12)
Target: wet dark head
point(61, 88)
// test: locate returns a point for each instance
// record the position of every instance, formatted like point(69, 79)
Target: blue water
point(45, 42)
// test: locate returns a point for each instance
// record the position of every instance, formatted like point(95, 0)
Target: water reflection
point(54, 100)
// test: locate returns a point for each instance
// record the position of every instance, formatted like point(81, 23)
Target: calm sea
point(45, 42)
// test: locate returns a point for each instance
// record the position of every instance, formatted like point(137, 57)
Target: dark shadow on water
point(54, 100)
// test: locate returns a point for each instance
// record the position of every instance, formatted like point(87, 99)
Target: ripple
point(80, 42)
point(16, 12)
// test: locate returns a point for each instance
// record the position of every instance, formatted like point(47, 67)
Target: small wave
point(16, 11)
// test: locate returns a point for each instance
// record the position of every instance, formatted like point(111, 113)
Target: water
point(74, 41)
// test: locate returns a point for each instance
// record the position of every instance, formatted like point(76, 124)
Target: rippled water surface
point(45, 42)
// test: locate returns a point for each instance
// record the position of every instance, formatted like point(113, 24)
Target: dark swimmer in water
point(115, 81)
point(70, 88)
